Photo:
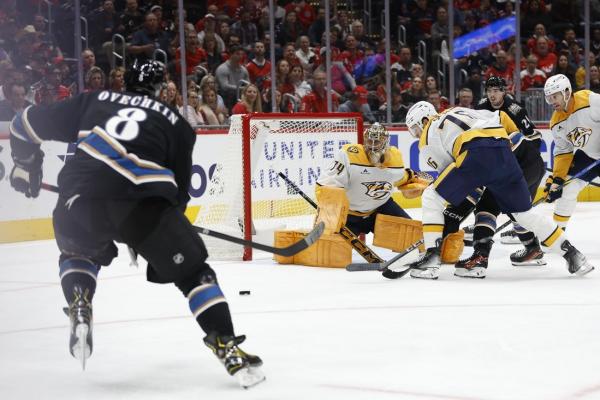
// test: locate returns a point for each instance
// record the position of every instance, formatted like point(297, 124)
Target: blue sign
point(483, 37)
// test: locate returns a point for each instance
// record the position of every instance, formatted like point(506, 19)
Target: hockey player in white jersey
point(575, 126)
point(368, 173)
point(471, 149)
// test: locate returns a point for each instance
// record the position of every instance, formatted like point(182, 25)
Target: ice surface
point(521, 333)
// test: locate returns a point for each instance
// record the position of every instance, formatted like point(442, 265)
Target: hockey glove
point(26, 175)
point(553, 190)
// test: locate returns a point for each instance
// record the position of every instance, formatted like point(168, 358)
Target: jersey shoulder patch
point(581, 99)
point(356, 154)
point(393, 158)
point(514, 108)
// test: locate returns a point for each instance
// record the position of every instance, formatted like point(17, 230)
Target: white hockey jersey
point(367, 186)
point(445, 134)
point(577, 128)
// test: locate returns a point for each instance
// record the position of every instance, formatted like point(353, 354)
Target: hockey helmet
point(375, 142)
point(558, 83)
point(145, 77)
point(415, 115)
point(495, 82)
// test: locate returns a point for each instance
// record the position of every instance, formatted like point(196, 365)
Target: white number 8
point(125, 126)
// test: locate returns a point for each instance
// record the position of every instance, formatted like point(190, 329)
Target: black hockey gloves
point(26, 175)
point(553, 189)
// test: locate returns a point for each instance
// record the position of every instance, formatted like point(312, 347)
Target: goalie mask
point(375, 142)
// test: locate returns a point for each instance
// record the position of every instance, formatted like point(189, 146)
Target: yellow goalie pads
point(333, 206)
point(452, 247)
point(331, 250)
point(396, 233)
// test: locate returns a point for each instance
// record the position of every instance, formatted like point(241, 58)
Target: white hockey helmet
point(415, 115)
point(558, 83)
point(375, 142)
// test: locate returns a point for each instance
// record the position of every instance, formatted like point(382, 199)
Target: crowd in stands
point(228, 60)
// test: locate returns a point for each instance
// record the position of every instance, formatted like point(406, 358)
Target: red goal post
point(244, 195)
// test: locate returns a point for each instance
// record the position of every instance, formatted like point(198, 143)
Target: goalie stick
point(346, 233)
point(383, 266)
point(297, 247)
point(542, 199)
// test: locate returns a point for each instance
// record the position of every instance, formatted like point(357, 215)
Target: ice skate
point(243, 366)
point(509, 237)
point(427, 266)
point(80, 314)
point(472, 267)
point(576, 261)
point(469, 230)
point(530, 255)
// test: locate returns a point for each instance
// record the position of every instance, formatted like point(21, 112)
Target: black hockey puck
point(244, 292)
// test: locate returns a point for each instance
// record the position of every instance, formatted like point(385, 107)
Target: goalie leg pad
point(331, 250)
point(396, 233)
point(452, 247)
point(333, 207)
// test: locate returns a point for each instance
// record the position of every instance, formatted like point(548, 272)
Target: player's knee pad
point(173, 249)
point(396, 233)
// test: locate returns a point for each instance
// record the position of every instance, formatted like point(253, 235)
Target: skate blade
point(583, 270)
point(81, 350)
point(510, 241)
point(248, 377)
point(529, 263)
point(471, 274)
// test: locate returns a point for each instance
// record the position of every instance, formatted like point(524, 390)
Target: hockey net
point(246, 198)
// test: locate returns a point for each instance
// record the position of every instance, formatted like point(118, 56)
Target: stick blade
point(356, 267)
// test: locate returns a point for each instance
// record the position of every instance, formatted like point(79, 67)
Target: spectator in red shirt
point(539, 32)
point(546, 59)
point(304, 11)
point(316, 100)
point(194, 54)
point(531, 76)
point(259, 68)
point(250, 101)
point(500, 68)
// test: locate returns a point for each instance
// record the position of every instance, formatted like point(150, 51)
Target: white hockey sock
point(550, 234)
point(565, 206)
point(433, 216)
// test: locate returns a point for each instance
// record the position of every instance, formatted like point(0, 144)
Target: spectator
point(531, 76)
point(486, 13)
point(352, 55)
point(415, 93)
point(95, 80)
point(6, 71)
point(316, 100)
point(403, 66)
point(282, 72)
point(595, 42)
point(304, 12)
point(534, 14)
point(148, 39)
point(210, 82)
point(500, 68)
point(363, 42)
point(52, 89)
point(194, 54)
point(210, 111)
point(474, 82)
point(439, 29)
point(305, 54)
point(431, 85)
point(214, 57)
point(563, 67)
point(224, 33)
point(436, 99)
point(131, 19)
point(259, 68)
point(173, 98)
point(14, 103)
point(192, 117)
point(465, 98)
point(343, 24)
point(290, 29)
point(399, 110)
point(116, 79)
point(568, 39)
point(279, 14)
point(546, 59)
point(317, 28)
point(104, 25)
point(245, 29)
point(250, 101)
point(539, 32)
point(341, 80)
point(358, 102)
point(564, 14)
point(230, 74)
point(422, 20)
point(580, 72)
point(594, 79)
point(297, 82)
point(209, 29)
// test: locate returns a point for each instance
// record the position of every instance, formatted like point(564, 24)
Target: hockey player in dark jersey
point(526, 147)
point(127, 182)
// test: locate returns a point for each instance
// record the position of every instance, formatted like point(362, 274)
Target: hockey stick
point(590, 182)
point(383, 266)
point(346, 233)
point(542, 199)
point(300, 245)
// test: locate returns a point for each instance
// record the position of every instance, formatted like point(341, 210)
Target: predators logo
point(579, 136)
point(378, 190)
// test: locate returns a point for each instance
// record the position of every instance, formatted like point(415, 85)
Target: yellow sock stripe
point(433, 227)
point(549, 241)
point(561, 218)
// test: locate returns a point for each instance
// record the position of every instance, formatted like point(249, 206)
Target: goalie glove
point(553, 189)
point(414, 183)
point(26, 175)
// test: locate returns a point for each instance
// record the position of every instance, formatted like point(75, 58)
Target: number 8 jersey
point(133, 145)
